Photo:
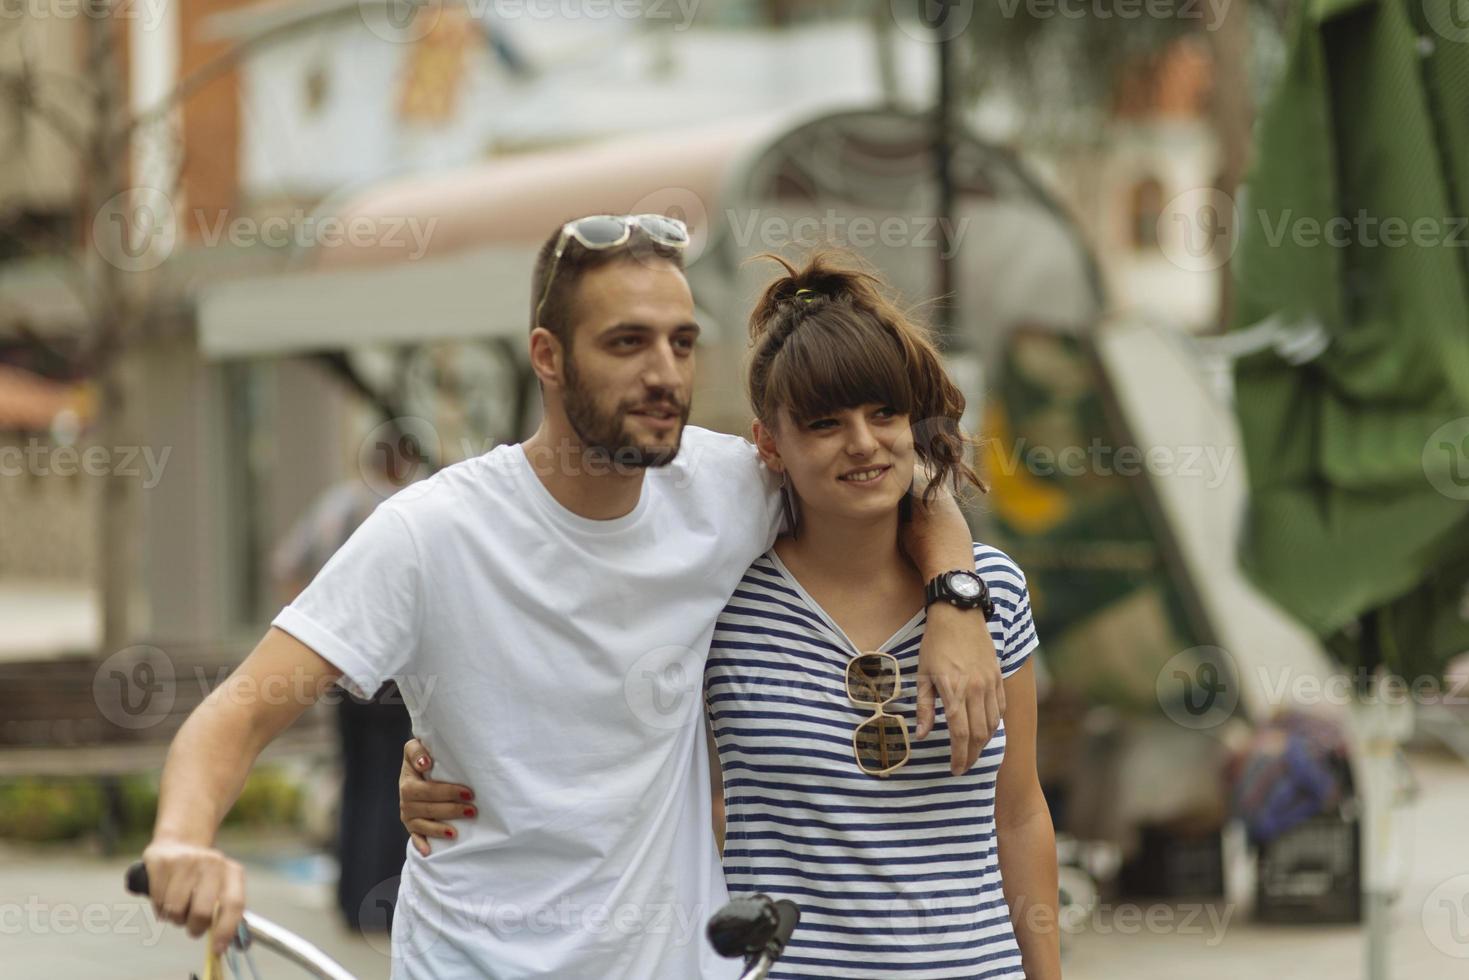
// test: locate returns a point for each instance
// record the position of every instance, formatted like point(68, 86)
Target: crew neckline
point(557, 512)
point(886, 646)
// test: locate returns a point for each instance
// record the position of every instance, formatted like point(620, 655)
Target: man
point(546, 609)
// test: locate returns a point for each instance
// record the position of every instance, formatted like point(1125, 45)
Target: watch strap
point(938, 588)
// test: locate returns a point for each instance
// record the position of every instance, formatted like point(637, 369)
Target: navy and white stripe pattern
point(896, 877)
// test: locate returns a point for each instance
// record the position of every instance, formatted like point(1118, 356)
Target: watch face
point(965, 586)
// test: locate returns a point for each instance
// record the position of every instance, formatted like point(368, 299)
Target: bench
point(77, 716)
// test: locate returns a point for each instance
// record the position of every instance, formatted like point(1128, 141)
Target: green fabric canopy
point(1359, 457)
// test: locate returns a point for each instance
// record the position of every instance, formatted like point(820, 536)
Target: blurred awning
point(449, 256)
point(476, 294)
point(520, 199)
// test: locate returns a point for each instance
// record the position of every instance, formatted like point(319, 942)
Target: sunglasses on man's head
point(599, 232)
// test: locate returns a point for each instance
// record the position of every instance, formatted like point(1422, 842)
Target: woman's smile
point(865, 478)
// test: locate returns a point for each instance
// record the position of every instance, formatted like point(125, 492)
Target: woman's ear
point(765, 444)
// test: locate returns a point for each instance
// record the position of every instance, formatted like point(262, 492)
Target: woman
point(901, 869)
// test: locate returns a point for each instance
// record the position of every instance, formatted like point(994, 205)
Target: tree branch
point(21, 89)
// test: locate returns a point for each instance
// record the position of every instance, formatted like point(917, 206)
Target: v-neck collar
point(830, 623)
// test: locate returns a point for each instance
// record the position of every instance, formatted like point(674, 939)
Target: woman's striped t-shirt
point(896, 877)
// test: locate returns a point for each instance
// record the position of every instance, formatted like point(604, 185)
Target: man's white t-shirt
point(554, 664)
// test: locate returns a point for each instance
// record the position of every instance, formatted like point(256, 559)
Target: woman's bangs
point(820, 372)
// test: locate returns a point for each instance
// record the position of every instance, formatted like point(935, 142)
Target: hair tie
point(808, 294)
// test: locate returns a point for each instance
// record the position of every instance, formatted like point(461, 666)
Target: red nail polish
point(448, 833)
point(421, 762)
point(465, 794)
point(470, 811)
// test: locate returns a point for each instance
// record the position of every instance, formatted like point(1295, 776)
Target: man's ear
point(547, 357)
point(765, 444)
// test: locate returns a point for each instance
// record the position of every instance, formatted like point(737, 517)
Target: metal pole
point(943, 158)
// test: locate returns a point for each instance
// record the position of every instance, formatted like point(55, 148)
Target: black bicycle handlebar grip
point(744, 926)
point(789, 915)
point(137, 878)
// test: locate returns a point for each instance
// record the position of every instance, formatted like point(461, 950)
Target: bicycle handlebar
point(137, 879)
point(255, 929)
point(756, 928)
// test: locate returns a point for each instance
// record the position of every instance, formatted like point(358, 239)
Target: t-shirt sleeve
point(1011, 594)
point(362, 611)
point(751, 490)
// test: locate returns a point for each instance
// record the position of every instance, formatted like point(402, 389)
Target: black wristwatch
point(963, 589)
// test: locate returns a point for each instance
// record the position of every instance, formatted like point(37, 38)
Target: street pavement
point(63, 915)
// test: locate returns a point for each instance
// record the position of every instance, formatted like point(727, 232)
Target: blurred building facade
point(1158, 150)
point(332, 98)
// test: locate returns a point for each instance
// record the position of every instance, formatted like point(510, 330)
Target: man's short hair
point(558, 313)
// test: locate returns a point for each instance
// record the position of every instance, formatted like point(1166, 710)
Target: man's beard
point(604, 434)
